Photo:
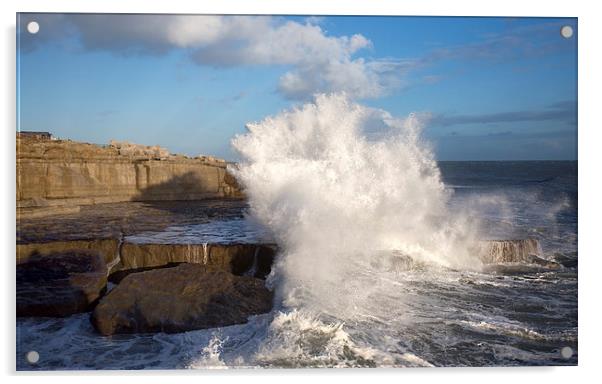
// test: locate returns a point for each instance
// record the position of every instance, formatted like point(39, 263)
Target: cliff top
point(32, 147)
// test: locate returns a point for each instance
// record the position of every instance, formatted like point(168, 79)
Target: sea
point(432, 315)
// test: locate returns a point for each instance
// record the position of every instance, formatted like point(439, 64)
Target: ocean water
point(239, 230)
point(422, 317)
point(343, 203)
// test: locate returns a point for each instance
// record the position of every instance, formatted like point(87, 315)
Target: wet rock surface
point(178, 299)
point(60, 284)
point(106, 228)
point(115, 220)
point(238, 259)
point(510, 251)
point(235, 258)
point(108, 248)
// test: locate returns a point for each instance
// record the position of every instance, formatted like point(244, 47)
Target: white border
point(315, 7)
point(589, 177)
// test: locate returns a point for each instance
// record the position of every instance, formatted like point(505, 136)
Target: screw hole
point(33, 27)
point(566, 31)
point(32, 357)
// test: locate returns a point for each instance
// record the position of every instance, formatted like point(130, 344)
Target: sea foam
point(339, 185)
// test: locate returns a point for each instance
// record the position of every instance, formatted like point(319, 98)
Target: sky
point(487, 88)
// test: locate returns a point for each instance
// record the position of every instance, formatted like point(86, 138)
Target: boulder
point(569, 260)
point(509, 251)
point(60, 284)
point(179, 299)
point(525, 254)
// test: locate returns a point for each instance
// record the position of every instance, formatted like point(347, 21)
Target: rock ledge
point(60, 284)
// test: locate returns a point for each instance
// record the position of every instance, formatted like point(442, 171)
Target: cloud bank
point(315, 61)
point(561, 111)
point(312, 60)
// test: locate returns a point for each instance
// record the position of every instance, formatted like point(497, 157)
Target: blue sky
point(493, 88)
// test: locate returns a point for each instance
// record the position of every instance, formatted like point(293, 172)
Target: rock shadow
point(189, 195)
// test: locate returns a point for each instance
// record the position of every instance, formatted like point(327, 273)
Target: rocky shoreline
point(61, 278)
point(131, 287)
point(58, 256)
point(81, 206)
point(76, 204)
point(171, 297)
point(60, 176)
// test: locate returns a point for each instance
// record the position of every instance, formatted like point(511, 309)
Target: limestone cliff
point(56, 176)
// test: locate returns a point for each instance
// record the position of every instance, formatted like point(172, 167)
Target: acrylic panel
point(225, 191)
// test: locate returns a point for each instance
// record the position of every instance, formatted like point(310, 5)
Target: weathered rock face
point(53, 175)
point(495, 255)
point(123, 258)
point(128, 149)
point(509, 251)
point(107, 248)
point(60, 284)
point(179, 299)
point(234, 258)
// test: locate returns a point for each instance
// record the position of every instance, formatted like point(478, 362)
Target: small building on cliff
point(35, 135)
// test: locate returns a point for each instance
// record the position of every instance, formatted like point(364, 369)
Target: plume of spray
point(341, 186)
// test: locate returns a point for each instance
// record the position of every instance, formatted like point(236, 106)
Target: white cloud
point(320, 62)
point(187, 31)
point(353, 77)
point(262, 40)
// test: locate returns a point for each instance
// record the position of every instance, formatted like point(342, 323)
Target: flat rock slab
point(179, 299)
point(60, 284)
point(114, 220)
